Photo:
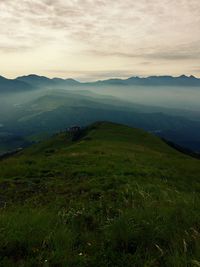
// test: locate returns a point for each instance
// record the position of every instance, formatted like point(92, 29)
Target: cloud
point(188, 51)
point(140, 31)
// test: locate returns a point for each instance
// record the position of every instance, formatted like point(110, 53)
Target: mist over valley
point(45, 106)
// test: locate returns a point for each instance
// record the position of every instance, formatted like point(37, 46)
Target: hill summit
point(112, 196)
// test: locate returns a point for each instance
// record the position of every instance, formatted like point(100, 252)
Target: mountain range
point(13, 85)
point(34, 81)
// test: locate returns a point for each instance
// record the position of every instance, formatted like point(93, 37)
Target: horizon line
point(100, 80)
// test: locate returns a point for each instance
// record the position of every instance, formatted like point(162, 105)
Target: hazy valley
point(166, 106)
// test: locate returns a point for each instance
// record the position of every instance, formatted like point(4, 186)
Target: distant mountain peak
point(32, 76)
point(3, 78)
point(13, 85)
point(37, 81)
point(164, 80)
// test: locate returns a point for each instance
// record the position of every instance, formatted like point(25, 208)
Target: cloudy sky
point(97, 39)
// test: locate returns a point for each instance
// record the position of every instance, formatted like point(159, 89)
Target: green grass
point(117, 197)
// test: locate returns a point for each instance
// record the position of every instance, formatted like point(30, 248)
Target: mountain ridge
point(33, 80)
point(45, 81)
point(13, 85)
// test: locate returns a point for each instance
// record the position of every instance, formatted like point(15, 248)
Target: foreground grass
point(117, 197)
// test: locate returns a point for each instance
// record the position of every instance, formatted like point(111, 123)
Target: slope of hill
point(117, 196)
point(11, 86)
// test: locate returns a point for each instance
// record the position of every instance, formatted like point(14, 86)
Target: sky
point(99, 39)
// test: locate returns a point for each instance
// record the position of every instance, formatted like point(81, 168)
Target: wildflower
point(80, 254)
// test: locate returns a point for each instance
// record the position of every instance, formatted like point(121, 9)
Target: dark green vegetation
point(116, 197)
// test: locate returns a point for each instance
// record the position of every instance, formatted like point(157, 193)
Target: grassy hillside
point(116, 197)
